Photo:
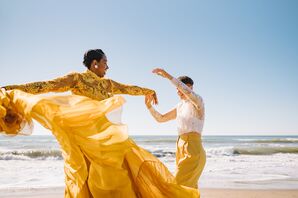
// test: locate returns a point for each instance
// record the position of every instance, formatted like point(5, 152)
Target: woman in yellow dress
point(100, 160)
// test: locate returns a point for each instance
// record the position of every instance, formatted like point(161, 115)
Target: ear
point(94, 62)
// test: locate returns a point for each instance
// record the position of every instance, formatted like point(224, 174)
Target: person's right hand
point(154, 98)
point(151, 99)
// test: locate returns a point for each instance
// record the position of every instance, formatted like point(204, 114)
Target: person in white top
point(190, 114)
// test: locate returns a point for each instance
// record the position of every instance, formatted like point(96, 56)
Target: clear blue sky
point(242, 55)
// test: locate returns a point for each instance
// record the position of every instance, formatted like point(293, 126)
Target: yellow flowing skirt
point(100, 159)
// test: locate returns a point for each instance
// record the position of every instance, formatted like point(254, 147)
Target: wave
point(31, 155)
point(230, 151)
point(219, 151)
point(139, 141)
point(162, 153)
point(265, 150)
point(250, 140)
point(282, 140)
point(56, 154)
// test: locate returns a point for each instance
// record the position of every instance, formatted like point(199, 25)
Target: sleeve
point(118, 88)
point(171, 115)
point(60, 84)
point(15, 118)
point(190, 94)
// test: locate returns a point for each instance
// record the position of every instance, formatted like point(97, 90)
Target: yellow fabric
point(100, 159)
point(190, 159)
point(85, 84)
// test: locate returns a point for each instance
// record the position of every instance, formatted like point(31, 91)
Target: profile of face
point(100, 67)
point(181, 95)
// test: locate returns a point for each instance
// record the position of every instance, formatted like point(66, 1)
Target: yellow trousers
point(190, 159)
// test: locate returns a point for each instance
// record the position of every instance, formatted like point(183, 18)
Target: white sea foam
point(232, 162)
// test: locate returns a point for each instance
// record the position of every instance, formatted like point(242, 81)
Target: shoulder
point(73, 76)
point(73, 73)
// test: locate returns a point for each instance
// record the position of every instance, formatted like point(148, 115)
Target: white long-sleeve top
point(189, 113)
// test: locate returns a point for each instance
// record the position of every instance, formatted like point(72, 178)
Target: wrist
point(149, 106)
point(168, 76)
point(150, 92)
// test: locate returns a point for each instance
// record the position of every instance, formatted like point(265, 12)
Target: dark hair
point(186, 80)
point(93, 54)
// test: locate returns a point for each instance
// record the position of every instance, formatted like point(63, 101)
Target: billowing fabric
point(100, 159)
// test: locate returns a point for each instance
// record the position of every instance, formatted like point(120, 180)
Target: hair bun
point(92, 54)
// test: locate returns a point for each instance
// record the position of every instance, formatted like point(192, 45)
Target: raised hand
point(162, 73)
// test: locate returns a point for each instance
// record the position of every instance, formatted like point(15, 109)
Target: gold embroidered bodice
point(86, 84)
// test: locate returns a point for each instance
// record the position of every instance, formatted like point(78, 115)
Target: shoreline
point(58, 192)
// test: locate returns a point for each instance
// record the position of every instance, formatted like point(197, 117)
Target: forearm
point(135, 90)
point(171, 115)
point(156, 115)
point(33, 88)
point(118, 88)
point(180, 85)
point(37, 87)
point(189, 93)
point(61, 84)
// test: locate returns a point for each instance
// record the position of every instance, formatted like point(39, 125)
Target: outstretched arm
point(118, 88)
point(60, 84)
point(171, 115)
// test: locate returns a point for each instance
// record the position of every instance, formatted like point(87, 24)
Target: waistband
point(186, 136)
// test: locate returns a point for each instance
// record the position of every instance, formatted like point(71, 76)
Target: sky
point(242, 55)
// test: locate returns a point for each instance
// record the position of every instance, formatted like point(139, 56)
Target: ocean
point(250, 162)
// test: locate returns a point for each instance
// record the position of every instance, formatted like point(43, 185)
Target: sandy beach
point(244, 193)
point(205, 193)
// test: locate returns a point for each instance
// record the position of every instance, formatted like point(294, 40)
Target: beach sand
point(205, 193)
point(244, 193)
